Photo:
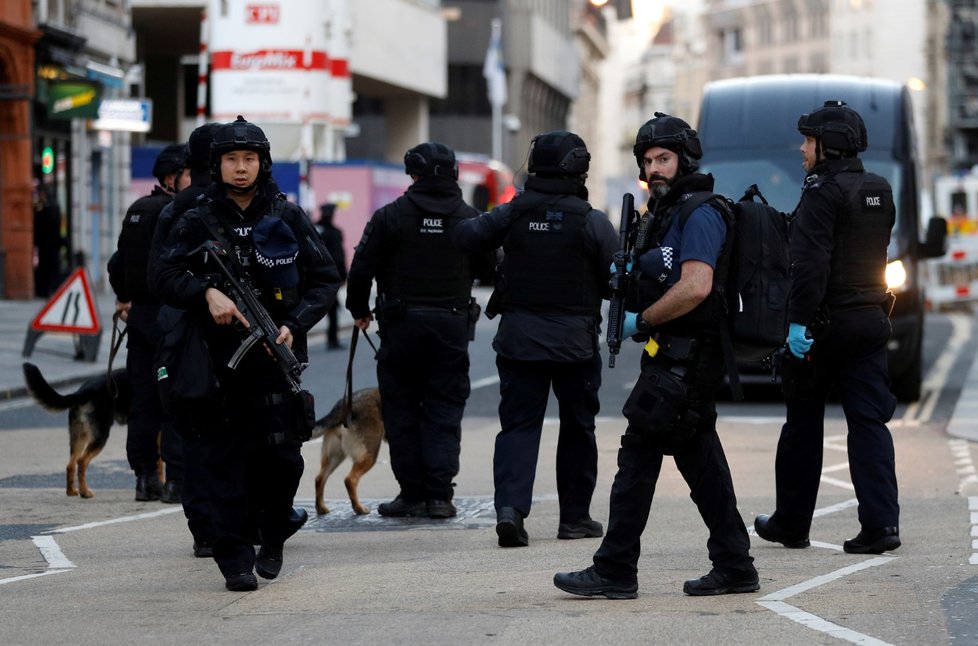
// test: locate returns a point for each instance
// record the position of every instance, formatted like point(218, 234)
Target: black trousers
point(151, 433)
point(248, 482)
point(423, 376)
point(524, 388)
point(703, 465)
point(852, 356)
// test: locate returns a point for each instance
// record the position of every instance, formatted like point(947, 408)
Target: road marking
point(14, 579)
point(922, 411)
point(823, 579)
point(814, 622)
point(482, 383)
point(52, 553)
point(121, 519)
point(14, 404)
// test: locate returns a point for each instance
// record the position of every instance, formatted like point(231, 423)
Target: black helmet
point(666, 131)
point(199, 146)
point(241, 135)
point(431, 158)
point(171, 160)
point(558, 153)
point(838, 128)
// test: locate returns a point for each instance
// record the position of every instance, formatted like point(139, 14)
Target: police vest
point(546, 267)
point(137, 238)
point(426, 269)
point(862, 232)
point(710, 312)
point(239, 237)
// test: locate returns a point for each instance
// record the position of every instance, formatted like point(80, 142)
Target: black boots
point(148, 487)
point(509, 528)
point(873, 541)
point(588, 583)
point(768, 529)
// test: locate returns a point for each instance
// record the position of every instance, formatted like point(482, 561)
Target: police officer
point(838, 311)
point(250, 435)
point(426, 316)
point(150, 429)
point(672, 409)
point(333, 239)
point(554, 274)
point(198, 174)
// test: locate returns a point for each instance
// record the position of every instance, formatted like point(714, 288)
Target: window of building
point(731, 45)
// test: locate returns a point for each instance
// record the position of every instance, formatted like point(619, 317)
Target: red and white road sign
point(71, 309)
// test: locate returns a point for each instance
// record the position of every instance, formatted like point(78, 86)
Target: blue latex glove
point(630, 325)
point(798, 341)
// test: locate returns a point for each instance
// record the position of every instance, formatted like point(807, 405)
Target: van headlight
point(896, 276)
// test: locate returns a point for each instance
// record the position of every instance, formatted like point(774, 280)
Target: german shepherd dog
point(91, 410)
point(361, 441)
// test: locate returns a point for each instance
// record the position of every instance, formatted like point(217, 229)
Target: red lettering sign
point(261, 14)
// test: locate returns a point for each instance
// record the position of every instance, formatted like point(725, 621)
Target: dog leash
point(347, 410)
point(114, 345)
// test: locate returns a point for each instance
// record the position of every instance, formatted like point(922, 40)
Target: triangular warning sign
point(71, 309)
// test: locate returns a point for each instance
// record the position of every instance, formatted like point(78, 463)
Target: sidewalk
point(54, 352)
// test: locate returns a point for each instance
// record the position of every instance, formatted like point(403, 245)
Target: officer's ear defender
point(574, 161)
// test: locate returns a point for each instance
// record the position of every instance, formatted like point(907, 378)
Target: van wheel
point(906, 386)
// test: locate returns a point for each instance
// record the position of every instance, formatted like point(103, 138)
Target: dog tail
point(333, 418)
point(45, 395)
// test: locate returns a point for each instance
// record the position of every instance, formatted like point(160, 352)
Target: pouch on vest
point(657, 409)
point(184, 369)
point(304, 415)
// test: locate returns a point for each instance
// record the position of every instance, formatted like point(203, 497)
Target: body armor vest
point(426, 268)
point(546, 269)
point(137, 238)
point(861, 235)
point(708, 314)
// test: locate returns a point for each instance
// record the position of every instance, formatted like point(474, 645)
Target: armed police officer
point(554, 274)
point(252, 431)
point(151, 432)
point(197, 177)
point(838, 311)
point(427, 317)
point(672, 409)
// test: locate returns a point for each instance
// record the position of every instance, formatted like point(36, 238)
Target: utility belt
point(394, 309)
point(301, 412)
point(664, 409)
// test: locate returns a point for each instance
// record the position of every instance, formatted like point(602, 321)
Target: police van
point(748, 130)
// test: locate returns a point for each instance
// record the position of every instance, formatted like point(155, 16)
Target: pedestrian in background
point(554, 274)
point(151, 433)
point(672, 408)
point(251, 432)
point(839, 326)
point(333, 239)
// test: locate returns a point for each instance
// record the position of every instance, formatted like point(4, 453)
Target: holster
point(798, 376)
point(303, 415)
point(658, 408)
point(474, 311)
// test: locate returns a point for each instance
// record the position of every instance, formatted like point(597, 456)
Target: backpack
point(753, 293)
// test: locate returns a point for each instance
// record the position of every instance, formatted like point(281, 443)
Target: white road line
point(52, 553)
point(113, 521)
point(821, 625)
point(14, 404)
point(482, 383)
point(14, 579)
point(842, 484)
point(839, 506)
point(823, 579)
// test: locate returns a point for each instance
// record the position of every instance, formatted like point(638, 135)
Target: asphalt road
point(111, 570)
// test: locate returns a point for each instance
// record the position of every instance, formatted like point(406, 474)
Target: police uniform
point(424, 289)
point(839, 237)
point(554, 274)
point(690, 353)
point(672, 407)
point(250, 435)
point(151, 434)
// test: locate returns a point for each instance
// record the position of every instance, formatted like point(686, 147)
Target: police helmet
point(838, 128)
point(170, 161)
point(241, 135)
point(672, 133)
point(199, 146)
point(558, 154)
point(431, 158)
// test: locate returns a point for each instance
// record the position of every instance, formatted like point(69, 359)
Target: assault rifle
point(261, 326)
point(619, 279)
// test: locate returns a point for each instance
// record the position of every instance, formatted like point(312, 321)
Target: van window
point(780, 176)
